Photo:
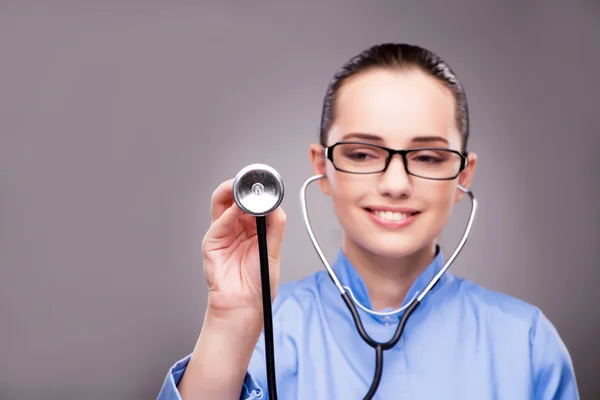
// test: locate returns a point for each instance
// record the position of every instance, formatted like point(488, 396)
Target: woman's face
point(399, 110)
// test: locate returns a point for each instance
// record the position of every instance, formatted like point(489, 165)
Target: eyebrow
point(363, 136)
point(427, 139)
point(375, 138)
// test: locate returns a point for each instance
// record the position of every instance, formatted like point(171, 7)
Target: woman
point(463, 342)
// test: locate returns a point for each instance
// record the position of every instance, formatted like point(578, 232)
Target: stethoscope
point(258, 190)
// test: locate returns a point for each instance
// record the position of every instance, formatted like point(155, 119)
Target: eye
point(358, 155)
point(429, 157)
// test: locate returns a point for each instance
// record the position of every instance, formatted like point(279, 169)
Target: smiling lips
point(392, 217)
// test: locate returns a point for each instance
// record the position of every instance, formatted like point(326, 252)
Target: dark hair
point(397, 56)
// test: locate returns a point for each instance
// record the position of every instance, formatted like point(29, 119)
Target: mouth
point(391, 218)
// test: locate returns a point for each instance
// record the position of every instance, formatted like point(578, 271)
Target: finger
point(276, 222)
point(225, 223)
point(222, 199)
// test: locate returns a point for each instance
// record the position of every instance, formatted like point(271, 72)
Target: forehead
point(395, 105)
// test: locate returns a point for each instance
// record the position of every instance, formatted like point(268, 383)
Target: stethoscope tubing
point(261, 230)
point(415, 302)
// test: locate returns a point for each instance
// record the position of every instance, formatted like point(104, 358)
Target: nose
point(395, 181)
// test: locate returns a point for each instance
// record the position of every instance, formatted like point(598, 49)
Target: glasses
point(425, 162)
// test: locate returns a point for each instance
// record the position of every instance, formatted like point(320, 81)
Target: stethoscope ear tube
point(258, 190)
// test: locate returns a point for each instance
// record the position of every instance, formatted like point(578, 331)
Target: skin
point(400, 110)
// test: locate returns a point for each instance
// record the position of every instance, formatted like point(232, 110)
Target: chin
point(392, 248)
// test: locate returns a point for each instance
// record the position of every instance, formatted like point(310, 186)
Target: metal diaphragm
point(258, 189)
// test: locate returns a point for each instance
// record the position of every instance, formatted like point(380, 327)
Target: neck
point(388, 279)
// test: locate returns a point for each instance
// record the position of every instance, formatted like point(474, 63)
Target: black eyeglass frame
point(403, 154)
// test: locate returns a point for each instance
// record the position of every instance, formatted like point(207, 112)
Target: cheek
point(441, 198)
point(438, 199)
point(346, 191)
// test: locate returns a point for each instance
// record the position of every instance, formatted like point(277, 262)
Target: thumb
point(224, 225)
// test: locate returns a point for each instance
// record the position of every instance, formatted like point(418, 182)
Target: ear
point(466, 176)
point(319, 165)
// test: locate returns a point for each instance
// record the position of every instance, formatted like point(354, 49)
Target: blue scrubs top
point(463, 342)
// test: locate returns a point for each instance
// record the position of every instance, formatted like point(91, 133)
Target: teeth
point(391, 216)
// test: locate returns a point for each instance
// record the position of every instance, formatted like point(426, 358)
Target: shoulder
point(513, 316)
point(524, 330)
point(551, 364)
point(498, 305)
point(504, 317)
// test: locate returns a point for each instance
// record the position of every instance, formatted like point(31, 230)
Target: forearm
point(221, 356)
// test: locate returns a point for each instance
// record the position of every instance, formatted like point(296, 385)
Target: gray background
point(118, 119)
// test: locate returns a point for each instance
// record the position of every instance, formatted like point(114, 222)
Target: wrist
point(249, 320)
point(232, 334)
point(222, 353)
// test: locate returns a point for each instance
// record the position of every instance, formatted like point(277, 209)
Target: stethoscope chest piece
point(258, 189)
